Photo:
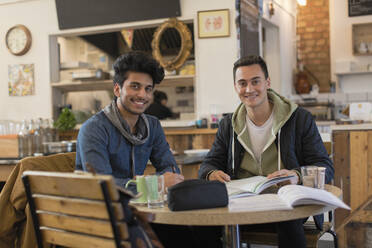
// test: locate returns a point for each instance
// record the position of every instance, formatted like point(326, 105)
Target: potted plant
point(65, 125)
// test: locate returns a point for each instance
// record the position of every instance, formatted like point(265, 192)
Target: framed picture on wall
point(213, 23)
point(21, 80)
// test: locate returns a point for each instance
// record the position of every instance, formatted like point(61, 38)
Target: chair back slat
point(71, 185)
point(78, 207)
point(76, 210)
point(81, 224)
point(69, 239)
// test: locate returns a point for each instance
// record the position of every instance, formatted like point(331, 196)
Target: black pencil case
point(197, 194)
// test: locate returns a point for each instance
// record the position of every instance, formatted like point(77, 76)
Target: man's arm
point(217, 158)
point(313, 150)
point(162, 158)
point(92, 148)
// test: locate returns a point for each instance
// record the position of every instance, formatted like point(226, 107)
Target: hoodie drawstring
point(279, 149)
point(233, 154)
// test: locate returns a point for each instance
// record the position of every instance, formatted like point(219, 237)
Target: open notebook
point(252, 185)
point(287, 197)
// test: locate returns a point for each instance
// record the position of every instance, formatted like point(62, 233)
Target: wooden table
point(223, 217)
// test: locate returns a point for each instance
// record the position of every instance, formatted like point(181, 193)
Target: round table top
point(223, 216)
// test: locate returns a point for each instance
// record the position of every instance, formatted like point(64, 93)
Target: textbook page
point(257, 203)
point(243, 186)
point(252, 185)
point(301, 195)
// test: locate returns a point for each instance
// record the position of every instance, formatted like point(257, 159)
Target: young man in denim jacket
point(120, 139)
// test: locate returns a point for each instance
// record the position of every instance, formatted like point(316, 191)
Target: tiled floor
point(321, 244)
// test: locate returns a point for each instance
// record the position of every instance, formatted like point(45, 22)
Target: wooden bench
point(75, 210)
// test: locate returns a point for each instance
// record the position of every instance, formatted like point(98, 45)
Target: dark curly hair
point(137, 62)
point(251, 60)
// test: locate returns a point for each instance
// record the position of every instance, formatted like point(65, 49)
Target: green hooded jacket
point(269, 162)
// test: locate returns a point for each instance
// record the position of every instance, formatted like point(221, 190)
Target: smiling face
point(135, 95)
point(251, 86)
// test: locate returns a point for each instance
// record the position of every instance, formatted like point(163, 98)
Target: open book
point(252, 185)
point(287, 197)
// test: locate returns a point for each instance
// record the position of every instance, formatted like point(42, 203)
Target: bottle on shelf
point(47, 134)
point(37, 141)
point(23, 140)
point(34, 138)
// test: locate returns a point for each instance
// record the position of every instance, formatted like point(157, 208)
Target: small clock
point(18, 40)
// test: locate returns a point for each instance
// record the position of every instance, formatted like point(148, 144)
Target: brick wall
point(313, 40)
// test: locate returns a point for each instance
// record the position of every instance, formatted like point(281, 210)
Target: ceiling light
point(301, 2)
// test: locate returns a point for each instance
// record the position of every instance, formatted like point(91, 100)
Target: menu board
point(360, 7)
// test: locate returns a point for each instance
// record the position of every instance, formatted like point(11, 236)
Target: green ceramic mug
point(141, 188)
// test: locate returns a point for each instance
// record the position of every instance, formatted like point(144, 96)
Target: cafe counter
point(191, 138)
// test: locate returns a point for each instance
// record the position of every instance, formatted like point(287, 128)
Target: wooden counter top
point(189, 131)
point(363, 126)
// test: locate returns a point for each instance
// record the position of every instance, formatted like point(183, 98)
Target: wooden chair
point(75, 210)
point(312, 234)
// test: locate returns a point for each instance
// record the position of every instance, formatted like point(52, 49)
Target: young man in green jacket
point(266, 135)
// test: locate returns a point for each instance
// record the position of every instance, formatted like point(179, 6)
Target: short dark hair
point(251, 60)
point(137, 61)
point(159, 96)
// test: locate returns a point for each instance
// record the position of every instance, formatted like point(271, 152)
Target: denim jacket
point(101, 145)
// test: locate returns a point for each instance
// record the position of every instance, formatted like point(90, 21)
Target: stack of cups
point(313, 176)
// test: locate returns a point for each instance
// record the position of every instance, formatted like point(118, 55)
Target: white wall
point(284, 19)
point(214, 57)
point(214, 61)
point(40, 18)
point(341, 38)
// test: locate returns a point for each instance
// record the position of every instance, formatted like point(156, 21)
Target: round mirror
point(159, 44)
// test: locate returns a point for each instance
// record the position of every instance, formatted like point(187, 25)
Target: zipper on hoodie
point(258, 162)
point(260, 165)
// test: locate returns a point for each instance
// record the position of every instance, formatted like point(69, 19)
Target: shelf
point(70, 86)
point(352, 73)
point(177, 80)
point(362, 39)
point(77, 65)
point(363, 54)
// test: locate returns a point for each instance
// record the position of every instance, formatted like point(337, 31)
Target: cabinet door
point(353, 172)
point(341, 158)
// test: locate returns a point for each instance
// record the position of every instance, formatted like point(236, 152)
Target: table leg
point(232, 236)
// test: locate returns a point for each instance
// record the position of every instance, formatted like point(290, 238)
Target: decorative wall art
point(128, 36)
point(21, 80)
point(213, 23)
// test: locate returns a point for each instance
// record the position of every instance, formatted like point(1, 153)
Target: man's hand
point(171, 179)
point(283, 173)
point(219, 175)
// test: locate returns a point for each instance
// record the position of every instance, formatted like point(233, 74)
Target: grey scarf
point(143, 129)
